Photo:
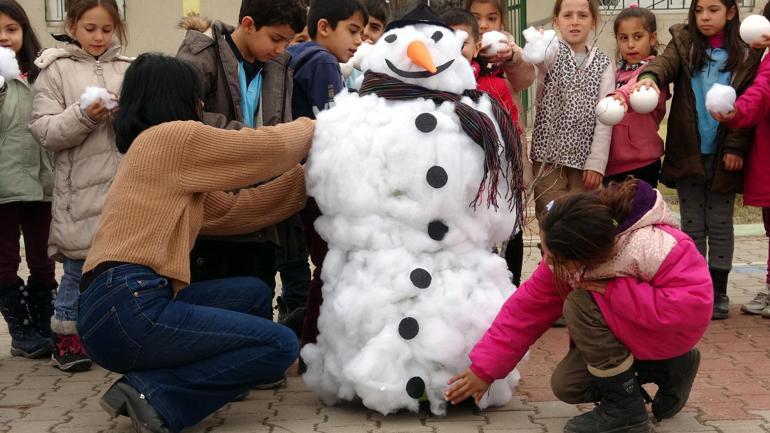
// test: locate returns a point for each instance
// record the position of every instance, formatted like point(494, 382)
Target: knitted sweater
point(169, 188)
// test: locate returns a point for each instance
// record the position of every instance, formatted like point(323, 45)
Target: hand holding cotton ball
point(539, 46)
point(9, 66)
point(753, 27)
point(644, 100)
point(494, 42)
point(609, 111)
point(93, 94)
point(355, 62)
point(720, 99)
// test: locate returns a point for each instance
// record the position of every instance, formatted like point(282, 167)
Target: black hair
point(156, 89)
point(461, 17)
point(333, 11)
point(378, 9)
point(644, 14)
point(766, 11)
point(30, 45)
point(275, 12)
point(733, 44)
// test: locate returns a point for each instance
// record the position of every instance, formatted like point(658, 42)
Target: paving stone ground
point(731, 393)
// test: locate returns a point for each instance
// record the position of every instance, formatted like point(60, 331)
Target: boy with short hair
point(246, 80)
point(378, 19)
point(335, 27)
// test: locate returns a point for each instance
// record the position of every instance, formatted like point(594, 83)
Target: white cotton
point(355, 62)
point(93, 94)
point(720, 99)
point(609, 111)
point(644, 100)
point(401, 310)
point(753, 27)
point(539, 46)
point(494, 41)
point(9, 66)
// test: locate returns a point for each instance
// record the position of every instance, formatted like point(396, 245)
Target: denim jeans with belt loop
point(190, 354)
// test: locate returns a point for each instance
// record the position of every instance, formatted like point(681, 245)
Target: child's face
point(575, 22)
point(373, 30)
point(94, 31)
point(300, 37)
point(471, 46)
point(635, 42)
point(711, 16)
point(266, 43)
point(345, 39)
point(487, 15)
point(11, 33)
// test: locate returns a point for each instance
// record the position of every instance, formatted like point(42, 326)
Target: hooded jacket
point(85, 156)
point(658, 301)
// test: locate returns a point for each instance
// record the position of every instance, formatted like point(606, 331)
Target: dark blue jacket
point(317, 79)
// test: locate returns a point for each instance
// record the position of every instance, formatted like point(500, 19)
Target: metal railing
point(661, 5)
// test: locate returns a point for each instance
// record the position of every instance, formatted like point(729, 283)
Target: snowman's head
point(426, 54)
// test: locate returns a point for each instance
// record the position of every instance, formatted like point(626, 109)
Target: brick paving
point(731, 393)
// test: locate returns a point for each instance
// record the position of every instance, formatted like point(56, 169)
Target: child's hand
point(732, 162)
point(646, 83)
point(723, 117)
point(619, 98)
point(97, 111)
point(763, 43)
point(591, 179)
point(464, 385)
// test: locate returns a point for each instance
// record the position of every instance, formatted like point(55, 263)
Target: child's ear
point(654, 39)
point(477, 50)
point(732, 12)
point(324, 27)
point(247, 23)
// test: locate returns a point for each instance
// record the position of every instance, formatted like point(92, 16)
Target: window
point(56, 10)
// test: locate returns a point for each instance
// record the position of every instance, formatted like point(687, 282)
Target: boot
point(25, 340)
point(123, 400)
point(674, 378)
point(293, 318)
point(621, 409)
point(721, 301)
point(40, 306)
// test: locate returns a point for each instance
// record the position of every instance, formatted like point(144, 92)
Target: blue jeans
point(190, 354)
point(65, 306)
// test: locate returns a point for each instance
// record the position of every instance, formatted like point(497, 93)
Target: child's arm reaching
point(753, 106)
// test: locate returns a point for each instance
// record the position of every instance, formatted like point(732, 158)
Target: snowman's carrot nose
point(418, 53)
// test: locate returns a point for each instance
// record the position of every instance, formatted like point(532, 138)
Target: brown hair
point(581, 228)
point(77, 8)
point(644, 14)
point(593, 6)
point(499, 4)
point(30, 45)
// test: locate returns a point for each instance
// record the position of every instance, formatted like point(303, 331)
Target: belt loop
point(109, 278)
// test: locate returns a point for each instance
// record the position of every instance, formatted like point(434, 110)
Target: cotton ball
point(539, 46)
point(720, 99)
point(355, 62)
point(609, 111)
point(753, 27)
point(494, 41)
point(9, 66)
point(644, 100)
point(93, 93)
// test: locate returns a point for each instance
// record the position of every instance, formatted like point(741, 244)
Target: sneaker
point(69, 354)
point(760, 302)
point(31, 345)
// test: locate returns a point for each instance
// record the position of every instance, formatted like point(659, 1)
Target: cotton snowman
point(410, 283)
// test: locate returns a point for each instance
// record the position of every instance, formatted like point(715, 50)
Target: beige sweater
point(168, 189)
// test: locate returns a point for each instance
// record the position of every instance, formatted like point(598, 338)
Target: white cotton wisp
point(609, 111)
point(93, 94)
point(355, 62)
point(539, 46)
point(720, 99)
point(9, 66)
point(644, 100)
point(753, 27)
point(494, 41)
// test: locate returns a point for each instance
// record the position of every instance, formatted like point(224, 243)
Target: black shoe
point(294, 320)
point(674, 378)
point(31, 345)
point(271, 385)
point(123, 399)
point(25, 340)
point(70, 356)
point(40, 306)
point(621, 409)
point(721, 301)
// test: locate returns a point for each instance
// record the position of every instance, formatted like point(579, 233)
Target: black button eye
point(437, 36)
point(391, 38)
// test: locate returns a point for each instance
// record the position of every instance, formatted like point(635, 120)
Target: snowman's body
point(410, 283)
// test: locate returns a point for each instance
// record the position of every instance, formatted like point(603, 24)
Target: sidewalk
point(731, 393)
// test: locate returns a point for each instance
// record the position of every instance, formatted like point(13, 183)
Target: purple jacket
point(659, 304)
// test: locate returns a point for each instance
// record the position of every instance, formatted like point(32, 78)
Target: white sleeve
point(600, 147)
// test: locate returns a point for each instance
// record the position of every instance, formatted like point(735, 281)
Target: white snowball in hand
point(609, 111)
point(753, 27)
point(720, 99)
point(494, 41)
point(539, 46)
point(644, 100)
point(9, 66)
point(93, 94)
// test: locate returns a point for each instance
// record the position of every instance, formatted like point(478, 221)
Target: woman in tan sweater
point(185, 349)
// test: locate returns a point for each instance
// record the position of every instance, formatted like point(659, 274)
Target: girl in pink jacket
point(636, 147)
point(636, 295)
